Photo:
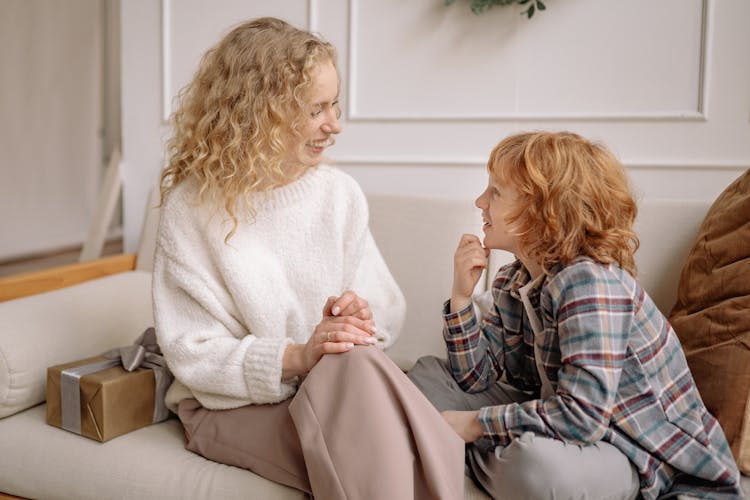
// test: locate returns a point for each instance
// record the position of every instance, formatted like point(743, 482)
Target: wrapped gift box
point(110, 400)
point(106, 396)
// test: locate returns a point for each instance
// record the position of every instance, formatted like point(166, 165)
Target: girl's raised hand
point(469, 261)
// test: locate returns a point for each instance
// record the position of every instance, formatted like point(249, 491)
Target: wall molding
point(690, 115)
point(429, 161)
point(312, 16)
point(612, 116)
point(166, 56)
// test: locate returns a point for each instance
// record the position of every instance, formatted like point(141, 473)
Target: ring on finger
point(328, 337)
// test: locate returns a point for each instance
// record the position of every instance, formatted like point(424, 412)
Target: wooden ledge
point(31, 283)
point(3, 496)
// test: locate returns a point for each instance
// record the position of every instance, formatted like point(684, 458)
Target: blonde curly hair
point(574, 199)
point(242, 112)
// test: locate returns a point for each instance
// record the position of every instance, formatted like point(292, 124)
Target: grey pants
point(531, 467)
point(356, 429)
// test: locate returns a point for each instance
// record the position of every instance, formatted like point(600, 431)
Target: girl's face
point(496, 202)
point(322, 122)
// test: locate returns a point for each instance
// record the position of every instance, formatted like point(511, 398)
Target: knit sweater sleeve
point(206, 346)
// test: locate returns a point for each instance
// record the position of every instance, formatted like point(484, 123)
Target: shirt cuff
point(493, 425)
point(460, 322)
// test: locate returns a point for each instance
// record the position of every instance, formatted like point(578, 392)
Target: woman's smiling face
point(323, 122)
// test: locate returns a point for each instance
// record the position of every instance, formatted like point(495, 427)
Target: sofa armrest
point(32, 283)
point(71, 322)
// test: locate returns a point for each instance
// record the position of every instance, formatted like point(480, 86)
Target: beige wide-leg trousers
point(356, 429)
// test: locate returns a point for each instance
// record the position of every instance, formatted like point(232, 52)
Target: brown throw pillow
point(712, 314)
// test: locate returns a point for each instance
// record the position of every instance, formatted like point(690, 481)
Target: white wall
point(50, 122)
point(429, 89)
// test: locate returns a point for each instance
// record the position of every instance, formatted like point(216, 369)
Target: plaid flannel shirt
point(617, 369)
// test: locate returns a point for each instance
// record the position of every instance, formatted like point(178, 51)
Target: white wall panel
point(671, 81)
point(428, 90)
point(419, 60)
point(142, 147)
point(50, 123)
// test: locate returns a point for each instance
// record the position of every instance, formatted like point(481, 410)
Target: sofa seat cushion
point(41, 461)
point(64, 325)
point(712, 314)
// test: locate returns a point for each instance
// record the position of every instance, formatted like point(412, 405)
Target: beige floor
point(52, 259)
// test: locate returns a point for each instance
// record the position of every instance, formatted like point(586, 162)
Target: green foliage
point(479, 6)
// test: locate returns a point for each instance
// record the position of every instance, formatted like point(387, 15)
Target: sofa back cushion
point(66, 325)
point(666, 229)
point(417, 238)
point(712, 314)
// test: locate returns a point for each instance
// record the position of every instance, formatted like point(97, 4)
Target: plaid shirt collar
point(522, 276)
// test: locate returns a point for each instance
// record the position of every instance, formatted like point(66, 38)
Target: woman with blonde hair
point(596, 399)
point(271, 299)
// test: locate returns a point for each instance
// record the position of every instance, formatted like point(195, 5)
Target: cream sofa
point(416, 236)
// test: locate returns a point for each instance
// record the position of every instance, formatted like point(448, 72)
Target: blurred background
point(427, 91)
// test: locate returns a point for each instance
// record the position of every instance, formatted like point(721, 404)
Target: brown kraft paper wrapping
point(113, 401)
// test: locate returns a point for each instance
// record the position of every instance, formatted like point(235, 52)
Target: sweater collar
point(292, 193)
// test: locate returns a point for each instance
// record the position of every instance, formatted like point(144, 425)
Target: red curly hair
point(574, 199)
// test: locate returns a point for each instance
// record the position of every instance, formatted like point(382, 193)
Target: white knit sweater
point(225, 313)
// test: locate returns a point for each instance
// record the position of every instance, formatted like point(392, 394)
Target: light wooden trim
point(24, 284)
point(4, 496)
